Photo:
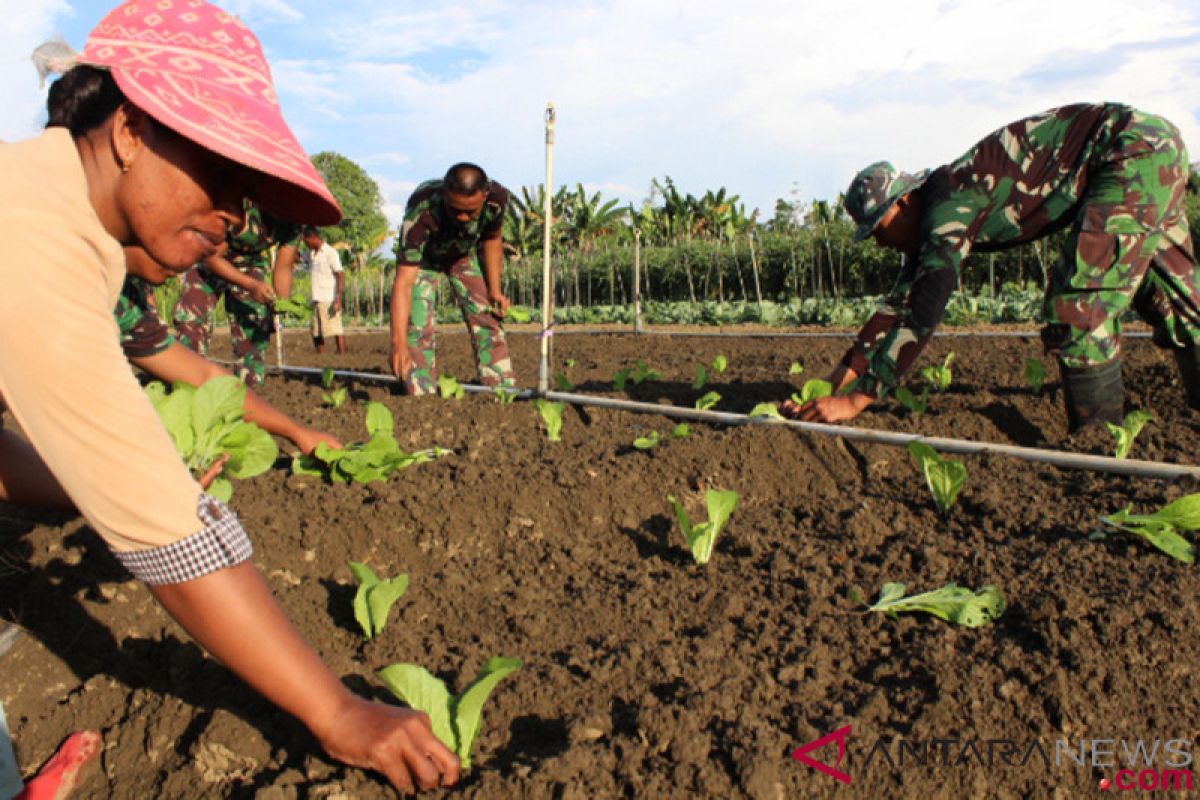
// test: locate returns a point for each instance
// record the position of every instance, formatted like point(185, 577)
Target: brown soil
point(646, 675)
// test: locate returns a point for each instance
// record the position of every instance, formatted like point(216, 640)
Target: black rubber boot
point(1093, 394)
point(1188, 361)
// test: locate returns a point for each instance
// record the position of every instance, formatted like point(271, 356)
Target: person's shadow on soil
point(1014, 423)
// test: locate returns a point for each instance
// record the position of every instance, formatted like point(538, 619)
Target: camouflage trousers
point(1128, 246)
point(487, 333)
point(250, 322)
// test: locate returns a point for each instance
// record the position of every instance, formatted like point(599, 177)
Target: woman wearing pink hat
point(166, 121)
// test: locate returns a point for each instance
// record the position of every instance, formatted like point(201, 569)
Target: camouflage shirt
point(143, 333)
point(431, 238)
point(249, 248)
point(1016, 185)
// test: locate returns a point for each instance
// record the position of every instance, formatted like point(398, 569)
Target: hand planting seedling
point(449, 387)
point(907, 399)
point(206, 423)
point(796, 368)
point(681, 431)
point(1126, 433)
point(336, 398)
point(939, 378)
point(702, 536)
point(944, 476)
point(620, 378)
point(707, 401)
point(768, 410)
point(647, 442)
point(1035, 375)
point(456, 721)
point(506, 394)
point(952, 603)
point(1162, 528)
point(552, 415)
point(374, 460)
point(644, 373)
point(812, 390)
point(375, 598)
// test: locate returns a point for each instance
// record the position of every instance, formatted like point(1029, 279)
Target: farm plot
point(645, 674)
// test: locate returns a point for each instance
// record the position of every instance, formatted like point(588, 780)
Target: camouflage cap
point(874, 190)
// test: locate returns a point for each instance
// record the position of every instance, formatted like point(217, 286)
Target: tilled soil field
point(646, 675)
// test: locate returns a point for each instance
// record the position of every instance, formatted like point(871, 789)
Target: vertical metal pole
point(637, 281)
point(547, 278)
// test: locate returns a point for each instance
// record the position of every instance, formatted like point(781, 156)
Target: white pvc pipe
point(1142, 469)
point(547, 278)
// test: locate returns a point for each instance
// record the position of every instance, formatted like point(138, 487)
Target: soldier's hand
point(499, 304)
point(401, 362)
point(263, 293)
point(839, 408)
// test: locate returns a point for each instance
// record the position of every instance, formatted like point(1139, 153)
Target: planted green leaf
point(1035, 375)
point(620, 378)
point(796, 368)
point(336, 398)
point(914, 405)
point(376, 459)
point(644, 373)
point(563, 383)
point(769, 410)
point(1163, 528)
point(1127, 432)
point(375, 598)
point(646, 442)
point(379, 419)
point(708, 400)
point(952, 603)
point(812, 390)
point(681, 431)
point(944, 476)
point(701, 377)
point(456, 721)
point(505, 395)
point(719, 364)
point(702, 537)
point(450, 388)
point(940, 377)
point(327, 377)
point(552, 416)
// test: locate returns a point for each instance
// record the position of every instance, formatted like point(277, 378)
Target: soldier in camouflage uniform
point(450, 226)
point(1113, 175)
point(240, 276)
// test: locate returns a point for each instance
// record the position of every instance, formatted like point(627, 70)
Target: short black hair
point(311, 230)
point(465, 178)
point(82, 99)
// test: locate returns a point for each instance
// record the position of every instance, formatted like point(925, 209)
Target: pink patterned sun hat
point(198, 70)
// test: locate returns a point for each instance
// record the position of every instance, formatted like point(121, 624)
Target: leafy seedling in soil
point(796, 368)
point(449, 387)
point(701, 377)
point(374, 460)
point(707, 401)
point(327, 377)
point(944, 476)
point(644, 373)
point(939, 378)
point(336, 398)
point(621, 378)
point(552, 415)
point(456, 721)
point(375, 598)
point(295, 307)
point(505, 395)
point(681, 431)
point(702, 536)
point(1127, 432)
point(647, 442)
point(563, 382)
point(1035, 375)
point(910, 401)
point(768, 410)
point(952, 603)
point(812, 390)
point(718, 365)
point(206, 423)
point(1162, 528)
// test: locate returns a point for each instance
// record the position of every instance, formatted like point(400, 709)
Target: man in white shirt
point(328, 286)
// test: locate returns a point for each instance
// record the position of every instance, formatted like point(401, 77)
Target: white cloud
point(26, 25)
point(255, 12)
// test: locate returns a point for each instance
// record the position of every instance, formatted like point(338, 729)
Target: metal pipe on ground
point(1079, 461)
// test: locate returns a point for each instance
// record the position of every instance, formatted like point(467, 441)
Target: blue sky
point(776, 98)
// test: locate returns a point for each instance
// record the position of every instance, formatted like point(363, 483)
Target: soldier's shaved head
point(465, 178)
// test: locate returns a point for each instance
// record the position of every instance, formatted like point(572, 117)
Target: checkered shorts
point(222, 542)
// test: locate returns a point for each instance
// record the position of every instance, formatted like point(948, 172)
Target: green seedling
point(952, 603)
point(701, 377)
point(570, 362)
point(456, 721)
point(769, 410)
point(506, 394)
point(1127, 432)
point(295, 306)
point(907, 399)
point(450, 388)
point(796, 368)
point(812, 390)
point(563, 382)
point(681, 431)
point(939, 378)
point(621, 378)
point(375, 598)
point(336, 398)
point(707, 401)
point(644, 373)
point(944, 476)
point(719, 364)
point(1035, 375)
point(552, 415)
point(702, 536)
point(647, 442)
point(1162, 528)
point(206, 423)
point(374, 460)
point(327, 377)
